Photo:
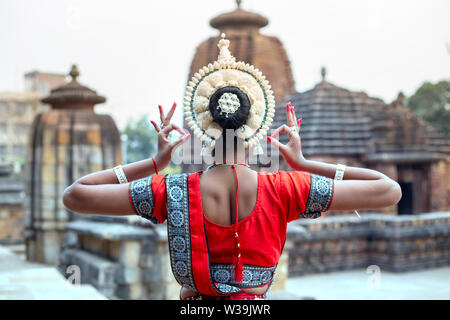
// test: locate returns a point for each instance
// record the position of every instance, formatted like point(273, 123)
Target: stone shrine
point(67, 142)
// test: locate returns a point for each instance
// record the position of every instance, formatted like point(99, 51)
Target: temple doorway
point(413, 180)
point(405, 205)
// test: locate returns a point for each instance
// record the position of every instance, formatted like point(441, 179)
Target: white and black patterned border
point(141, 196)
point(178, 228)
point(319, 198)
point(253, 276)
point(179, 238)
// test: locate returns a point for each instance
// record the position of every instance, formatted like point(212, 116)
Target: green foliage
point(142, 139)
point(432, 103)
point(142, 142)
point(171, 169)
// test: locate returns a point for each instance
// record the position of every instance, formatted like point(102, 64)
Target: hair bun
point(227, 94)
point(229, 107)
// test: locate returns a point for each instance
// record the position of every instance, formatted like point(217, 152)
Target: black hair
point(230, 121)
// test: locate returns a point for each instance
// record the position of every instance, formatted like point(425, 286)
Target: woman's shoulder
point(176, 174)
point(283, 173)
point(283, 179)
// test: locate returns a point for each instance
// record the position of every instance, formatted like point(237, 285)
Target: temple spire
point(74, 73)
point(323, 73)
point(238, 19)
point(73, 95)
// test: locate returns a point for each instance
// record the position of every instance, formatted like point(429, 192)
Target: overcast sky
point(138, 53)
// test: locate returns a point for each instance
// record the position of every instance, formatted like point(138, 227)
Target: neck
point(230, 158)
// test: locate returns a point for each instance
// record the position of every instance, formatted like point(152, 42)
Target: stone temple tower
point(265, 52)
point(248, 44)
point(67, 142)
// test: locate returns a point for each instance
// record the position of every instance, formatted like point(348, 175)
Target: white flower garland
point(222, 73)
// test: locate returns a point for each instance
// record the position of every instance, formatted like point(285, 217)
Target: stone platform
point(23, 280)
point(430, 284)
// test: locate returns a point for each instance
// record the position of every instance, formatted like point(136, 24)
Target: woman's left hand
point(292, 151)
point(165, 148)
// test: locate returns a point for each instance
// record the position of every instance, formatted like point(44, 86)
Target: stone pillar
point(439, 185)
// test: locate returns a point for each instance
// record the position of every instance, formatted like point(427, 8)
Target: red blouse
point(281, 197)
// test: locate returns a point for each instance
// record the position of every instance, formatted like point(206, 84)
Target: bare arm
point(360, 189)
point(100, 192)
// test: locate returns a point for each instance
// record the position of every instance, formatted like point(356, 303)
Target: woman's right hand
point(165, 147)
point(292, 151)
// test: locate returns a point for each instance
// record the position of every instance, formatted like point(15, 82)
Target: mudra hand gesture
point(165, 147)
point(292, 151)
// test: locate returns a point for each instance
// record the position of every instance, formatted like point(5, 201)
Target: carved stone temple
point(343, 126)
point(67, 142)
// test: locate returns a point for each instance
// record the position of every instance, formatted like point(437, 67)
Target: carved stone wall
point(394, 243)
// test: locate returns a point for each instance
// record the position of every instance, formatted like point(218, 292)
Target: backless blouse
point(215, 260)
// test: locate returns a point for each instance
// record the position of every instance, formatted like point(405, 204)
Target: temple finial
point(238, 3)
point(74, 73)
point(323, 72)
point(400, 98)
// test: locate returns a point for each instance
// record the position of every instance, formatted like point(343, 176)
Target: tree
point(431, 102)
point(142, 142)
point(141, 139)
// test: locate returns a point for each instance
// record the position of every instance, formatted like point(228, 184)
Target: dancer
point(227, 225)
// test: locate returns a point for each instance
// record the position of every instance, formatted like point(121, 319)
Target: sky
point(138, 53)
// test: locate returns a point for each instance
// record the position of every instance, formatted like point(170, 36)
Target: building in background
point(17, 111)
point(11, 200)
point(43, 82)
point(349, 127)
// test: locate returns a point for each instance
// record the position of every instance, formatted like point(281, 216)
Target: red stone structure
point(247, 44)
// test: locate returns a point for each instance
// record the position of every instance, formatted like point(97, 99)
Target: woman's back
point(218, 192)
point(267, 201)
